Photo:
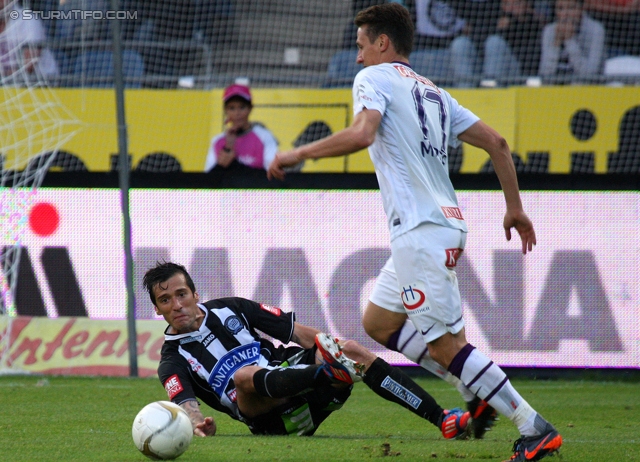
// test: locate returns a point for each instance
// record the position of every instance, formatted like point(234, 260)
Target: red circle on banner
point(44, 219)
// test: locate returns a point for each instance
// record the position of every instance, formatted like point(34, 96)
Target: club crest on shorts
point(413, 297)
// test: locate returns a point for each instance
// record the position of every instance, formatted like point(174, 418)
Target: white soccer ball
point(162, 430)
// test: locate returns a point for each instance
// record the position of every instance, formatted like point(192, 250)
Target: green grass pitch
point(89, 419)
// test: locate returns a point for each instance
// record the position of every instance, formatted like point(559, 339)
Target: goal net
point(34, 124)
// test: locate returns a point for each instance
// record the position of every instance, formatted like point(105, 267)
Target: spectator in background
point(214, 22)
point(45, 6)
point(544, 9)
point(573, 45)
point(169, 27)
point(350, 32)
point(514, 50)
point(77, 28)
point(437, 23)
point(467, 50)
point(23, 55)
point(243, 146)
point(621, 20)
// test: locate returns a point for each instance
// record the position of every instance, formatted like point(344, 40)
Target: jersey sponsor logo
point(362, 93)
point(452, 256)
point(195, 365)
point(173, 386)
point(401, 392)
point(271, 309)
point(452, 212)
point(232, 395)
point(425, 332)
point(233, 360)
point(186, 340)
point(233, 324)
point(412, 297)
point(210, 338)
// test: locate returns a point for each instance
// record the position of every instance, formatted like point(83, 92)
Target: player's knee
point(375, 331)
point(438, 356)
point(445, 348)
point(243, 379)
point(380, 323)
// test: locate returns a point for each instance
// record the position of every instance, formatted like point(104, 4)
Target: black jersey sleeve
point(266, 318)
point(173, 372)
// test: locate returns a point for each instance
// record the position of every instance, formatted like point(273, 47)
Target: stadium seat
point(64, 63)
point(622, 65)
point(63, 161)
point(342, 69)
point(537, 162)
point(316, 130)
point(95, 69)
point(582, 162)
point(627, 158)
point(159, 162)
point(488, 167)
point(433, 64)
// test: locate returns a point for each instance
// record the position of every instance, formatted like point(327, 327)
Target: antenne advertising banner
point(572, 302)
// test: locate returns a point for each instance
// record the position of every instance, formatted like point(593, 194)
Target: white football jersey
point(410, 151)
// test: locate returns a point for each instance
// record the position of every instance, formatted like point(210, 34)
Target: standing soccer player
point(407, 123)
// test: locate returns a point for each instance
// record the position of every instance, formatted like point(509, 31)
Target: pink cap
point(237, 90)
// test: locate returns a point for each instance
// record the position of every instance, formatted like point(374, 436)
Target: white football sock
point(489, 382)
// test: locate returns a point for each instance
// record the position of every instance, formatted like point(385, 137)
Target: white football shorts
point(420, 279)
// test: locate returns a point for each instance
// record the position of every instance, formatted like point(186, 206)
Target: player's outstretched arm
point(202, 426)
point(483, 136)
point(304, 336)
point(359, 135)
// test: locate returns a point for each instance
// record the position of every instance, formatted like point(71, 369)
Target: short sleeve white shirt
point(410, 151)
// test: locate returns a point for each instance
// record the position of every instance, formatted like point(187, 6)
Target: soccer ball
point(162, 430)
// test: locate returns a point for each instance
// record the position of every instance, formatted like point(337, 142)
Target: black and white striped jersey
point(202, 363)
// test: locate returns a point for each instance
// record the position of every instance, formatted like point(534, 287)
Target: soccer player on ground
point(212, 352)
point(407, 123)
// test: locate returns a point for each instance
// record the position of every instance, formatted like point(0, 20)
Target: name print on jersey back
point(408, 72)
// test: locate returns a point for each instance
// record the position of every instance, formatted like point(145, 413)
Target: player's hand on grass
point(282, 160)
point(520, 221)
point(205, 428)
